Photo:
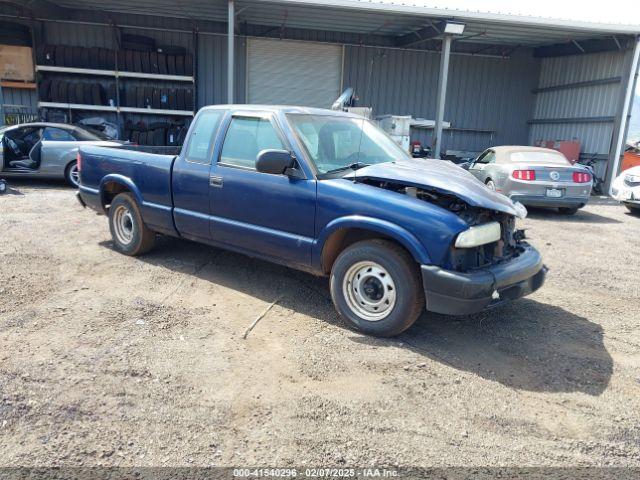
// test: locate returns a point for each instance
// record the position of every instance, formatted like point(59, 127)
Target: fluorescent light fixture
point(479, 235)
point(454, 28)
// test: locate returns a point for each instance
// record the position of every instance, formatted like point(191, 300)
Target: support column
point(442, 93)
point(230, 51)
point(621, 127)
point(1, 108)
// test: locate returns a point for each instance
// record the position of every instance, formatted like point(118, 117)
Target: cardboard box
point(16, 63)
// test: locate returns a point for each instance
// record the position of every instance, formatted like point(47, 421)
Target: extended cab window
point(202, 135)
point(245, 138)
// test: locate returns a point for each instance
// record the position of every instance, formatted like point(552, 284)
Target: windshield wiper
point(351, 166)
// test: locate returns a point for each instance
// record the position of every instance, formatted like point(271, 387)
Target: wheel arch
point(112, 185)
point(343, 232)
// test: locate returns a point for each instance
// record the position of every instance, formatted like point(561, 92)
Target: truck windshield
point(340, 144)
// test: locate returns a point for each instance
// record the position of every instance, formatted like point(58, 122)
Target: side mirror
point(276, 162)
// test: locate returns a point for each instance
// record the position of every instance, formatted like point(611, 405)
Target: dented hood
point(442, 176)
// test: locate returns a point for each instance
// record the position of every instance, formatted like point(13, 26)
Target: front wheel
point(633, 207)
point(130, 235)
point(491, 185)
point(376, 286)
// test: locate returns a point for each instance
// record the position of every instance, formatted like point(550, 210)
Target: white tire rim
point(369, 291)
point(123, 225)
point(74, 174)
point(491, 185)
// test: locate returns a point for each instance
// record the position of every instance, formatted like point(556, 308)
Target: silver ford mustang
point(45, 150)
point(533, 176)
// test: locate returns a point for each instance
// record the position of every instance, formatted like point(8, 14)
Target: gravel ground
point(111, 360)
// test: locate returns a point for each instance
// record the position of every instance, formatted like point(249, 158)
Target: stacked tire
point(84, 93)
point(158, 98)
point(156, 134)
point(76, 57)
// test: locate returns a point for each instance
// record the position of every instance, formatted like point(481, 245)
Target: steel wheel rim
point(123, 225)
point(74, 175)
point(369, 290)
point(491, 185)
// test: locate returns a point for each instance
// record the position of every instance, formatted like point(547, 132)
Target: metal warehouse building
point(485, 79)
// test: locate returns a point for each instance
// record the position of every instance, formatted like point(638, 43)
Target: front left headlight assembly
point(479, 235)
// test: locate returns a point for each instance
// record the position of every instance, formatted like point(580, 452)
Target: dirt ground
point(111, 360)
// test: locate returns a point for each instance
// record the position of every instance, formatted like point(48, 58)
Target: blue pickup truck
point(330, 193)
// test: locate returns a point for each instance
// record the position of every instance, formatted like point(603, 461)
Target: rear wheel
point(491, 185)
point(376, 286)
point(567, 210)
point(130, 235)
point(72, 174)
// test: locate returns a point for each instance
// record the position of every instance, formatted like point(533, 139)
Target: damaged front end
point(495, 265)
point(466, 259)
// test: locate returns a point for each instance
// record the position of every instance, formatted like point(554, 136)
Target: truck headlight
point(479, 235)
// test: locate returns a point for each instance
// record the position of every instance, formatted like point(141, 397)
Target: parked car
point(626, 189)
point(46, 150)
point(533, 176)
point(330, 193)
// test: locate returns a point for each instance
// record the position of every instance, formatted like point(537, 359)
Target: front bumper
point(456, 293)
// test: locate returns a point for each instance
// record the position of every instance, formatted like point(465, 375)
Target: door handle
point(215, 181)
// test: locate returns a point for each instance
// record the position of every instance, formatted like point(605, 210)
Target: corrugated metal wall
point(489, 99)
point(212, 70)
point(585, 101)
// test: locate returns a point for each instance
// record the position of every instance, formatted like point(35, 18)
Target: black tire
point(94, 58)
point(148, 97)
point(125, 59)
point(97, 94)
point(144, 60)
point(76, 55)
point(188, 64)
point(63, 92)
point(85, 55)
point(44, 90)
point(70, 174)
point(142, 238)
point(404, 272)
point(155, 99)
point(68, 56)
point(162, 63)
point(633, 208)
point(137, 61)
point(153, 61)
point(188, 99)
point(172, 49)
point(171, 64)
point(58, 58)
point(71, 93)
point(180, 99)
point(568, 210)
point(179, 64)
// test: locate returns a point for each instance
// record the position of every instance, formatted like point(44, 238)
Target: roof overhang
point(407, 26)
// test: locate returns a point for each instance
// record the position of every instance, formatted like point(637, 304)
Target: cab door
point(190, 179)
point(267, 215)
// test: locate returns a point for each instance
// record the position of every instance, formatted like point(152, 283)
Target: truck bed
point(147, 175)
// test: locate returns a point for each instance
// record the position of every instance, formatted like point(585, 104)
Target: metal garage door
point(293, 73)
